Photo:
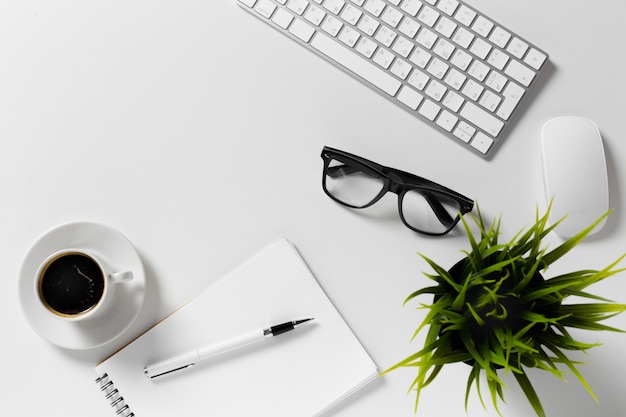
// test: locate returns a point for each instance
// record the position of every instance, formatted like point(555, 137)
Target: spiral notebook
point(304, 372)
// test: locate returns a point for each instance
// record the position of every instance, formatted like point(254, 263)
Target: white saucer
point(118, 252)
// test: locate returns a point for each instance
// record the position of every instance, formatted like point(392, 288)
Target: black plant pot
point(484, 332)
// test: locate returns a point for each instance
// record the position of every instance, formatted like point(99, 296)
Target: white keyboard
point(442, 60)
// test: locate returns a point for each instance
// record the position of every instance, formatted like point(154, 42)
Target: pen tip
point(297, 322)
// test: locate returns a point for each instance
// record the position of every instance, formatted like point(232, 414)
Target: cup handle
point(118, 277)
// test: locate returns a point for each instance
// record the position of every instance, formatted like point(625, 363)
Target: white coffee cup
point(76, 284)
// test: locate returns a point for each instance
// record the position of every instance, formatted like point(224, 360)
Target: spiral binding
point(113, 396)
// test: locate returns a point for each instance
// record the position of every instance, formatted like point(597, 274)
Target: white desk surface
point(195, 130)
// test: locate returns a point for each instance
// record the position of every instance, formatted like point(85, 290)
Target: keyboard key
point(351, 14)
point(517, 48)
point(409, 27)
point(391, 16)
point(349, 36)
point(429, 110)
point(447, 120)
point(455, 79)
point(386, 36)
point(297, 6)
point(461, 59)
point(403, 46)
point(445, 27)
point(482, 119)
point(401, 68)
point(334, 6)
point(495, 81)
point(438, 68)
point(436, 90)
point(490, 101)
point(356, 64)
point(482, 142)
point(465, 15)
point(520, 73)
point(249, 3)
point(443, 48)
point(366, 47)
point(482, 26)
point(478, 70)
point(411, 6)
point(498, 59)
point(426, 38)
point(315, 15)
point(418, 79)
point(410, 97)
point(480, 48)
point(453, 101)
point(302, 30)
point(464, 131)
point(368, 25)
point(500, 37)
point(448, 6)
point(535, 58)
point(420, 57)
point(463, 37)
point(332, 25)
point(265, 8)
point(282, 18)
point(473, 90)
point(374, 7)
point(512, 94)
point(383, 57)
point(428, 16)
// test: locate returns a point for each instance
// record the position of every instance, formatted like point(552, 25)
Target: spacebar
point(356, 64)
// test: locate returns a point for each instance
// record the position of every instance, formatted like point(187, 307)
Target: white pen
point(193, 357)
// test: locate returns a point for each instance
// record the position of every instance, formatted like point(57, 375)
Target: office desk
point(195, 130)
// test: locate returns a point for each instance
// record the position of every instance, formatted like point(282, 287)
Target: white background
point(195, 130)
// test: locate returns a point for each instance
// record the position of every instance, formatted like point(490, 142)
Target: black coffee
point(72, 284)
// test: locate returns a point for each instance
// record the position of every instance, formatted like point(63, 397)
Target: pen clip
point(147, 372)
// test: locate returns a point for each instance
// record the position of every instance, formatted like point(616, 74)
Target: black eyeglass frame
point(398, 182)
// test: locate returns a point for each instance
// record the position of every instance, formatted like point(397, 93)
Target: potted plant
point(497, 312)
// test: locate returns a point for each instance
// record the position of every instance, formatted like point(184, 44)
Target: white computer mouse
point(574, 173)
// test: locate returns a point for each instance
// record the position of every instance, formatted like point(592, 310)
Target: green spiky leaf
point(498, 312)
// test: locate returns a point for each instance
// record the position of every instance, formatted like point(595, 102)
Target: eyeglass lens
point(428, 211)
point(352, 184)
point(355, 185)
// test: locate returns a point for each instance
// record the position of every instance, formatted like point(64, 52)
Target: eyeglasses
point(424, 206)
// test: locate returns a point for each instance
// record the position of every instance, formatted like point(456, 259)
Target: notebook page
point(299, 373)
